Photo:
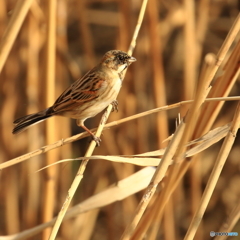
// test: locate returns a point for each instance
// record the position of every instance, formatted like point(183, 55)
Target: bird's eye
point(121, 57)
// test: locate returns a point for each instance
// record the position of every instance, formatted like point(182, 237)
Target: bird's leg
point(95, 138)
point(115, 105)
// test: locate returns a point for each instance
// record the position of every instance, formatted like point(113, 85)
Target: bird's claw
point(97, 140)
point(115, 106)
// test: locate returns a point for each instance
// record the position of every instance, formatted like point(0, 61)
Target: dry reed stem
point(124, 26)
point(82, 225)
point(158, 71)
point(158, 176)
point(50, 183)
point(168, 224)
point(190, 120)
point(201, 26)
point(19, 14)
point(190, 124)
point(221, 87)
point(174, 172)
point(78, 176)
point(76, 137)
point(146, 220)
point(209, 75)
point(137, 28)
point(226, 45)
point(211, 110)
point(155, 215)
point(92, 145)
point(154, 230)
point(221, 159)
point(61, 74)
point(201, 95)
point(88, 47)
point(190, 69)
point(205, 81)
point(157, 210)
point(122, 42)
point(32, 182)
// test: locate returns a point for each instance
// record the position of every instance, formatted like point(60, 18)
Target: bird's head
point(117, 60)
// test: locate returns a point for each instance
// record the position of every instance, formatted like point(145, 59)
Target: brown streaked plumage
point(87, 96)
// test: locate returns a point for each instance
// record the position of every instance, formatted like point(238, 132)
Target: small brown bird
point(87, 96)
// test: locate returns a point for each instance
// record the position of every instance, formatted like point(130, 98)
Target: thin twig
point(92, 145)
point(79, 136)
point(137, 28)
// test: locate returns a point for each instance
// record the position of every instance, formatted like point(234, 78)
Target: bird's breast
point(113, 87)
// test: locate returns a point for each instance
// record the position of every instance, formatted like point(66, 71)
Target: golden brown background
point(173, 40)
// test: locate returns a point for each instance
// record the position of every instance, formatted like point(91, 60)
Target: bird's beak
point(132, 59)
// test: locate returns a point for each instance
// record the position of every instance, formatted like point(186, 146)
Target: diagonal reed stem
point(76, 137)
point(92, 145)
point(19, 14)
point(221, 159)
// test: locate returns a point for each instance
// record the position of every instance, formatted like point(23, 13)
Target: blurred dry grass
point(173, 41)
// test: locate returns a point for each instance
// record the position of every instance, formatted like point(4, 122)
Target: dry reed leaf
point(150, 158)
point(208, 139)
point(205, 141)
point(121, 159)
point(122, 189)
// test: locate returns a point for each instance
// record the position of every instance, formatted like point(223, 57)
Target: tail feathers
point(26, 121)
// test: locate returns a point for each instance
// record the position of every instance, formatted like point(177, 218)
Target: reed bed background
point(59, 41)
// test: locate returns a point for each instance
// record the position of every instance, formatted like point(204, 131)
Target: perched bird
point(87, 96)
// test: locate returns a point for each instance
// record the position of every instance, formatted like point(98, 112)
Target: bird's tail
point(24, 122)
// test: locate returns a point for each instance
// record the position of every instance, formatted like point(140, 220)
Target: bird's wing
point(86, 89)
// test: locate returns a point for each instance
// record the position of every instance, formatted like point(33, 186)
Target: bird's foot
point(97, 140)
point(115, 106)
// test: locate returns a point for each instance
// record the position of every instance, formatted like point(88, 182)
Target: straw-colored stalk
point(92, 145)
point(76, 137)
point(221, 159)
point(50, 184)
point(19, 14)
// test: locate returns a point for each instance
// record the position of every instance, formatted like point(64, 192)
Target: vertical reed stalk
point(221, 159)
point(92, 145)
point(33, 181)
point(190, 70)
point(19, 14)
point(50, 187)
point(158, 72)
